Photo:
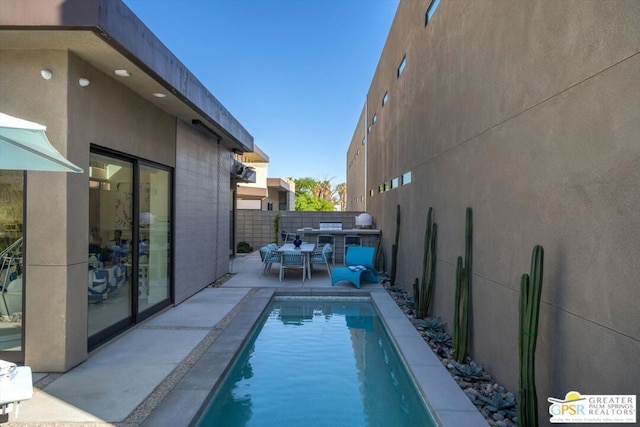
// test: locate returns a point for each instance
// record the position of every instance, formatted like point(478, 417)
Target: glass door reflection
point(154, 247)
point(110, 234)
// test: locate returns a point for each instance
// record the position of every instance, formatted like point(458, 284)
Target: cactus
point(429, 272)
point(394, 249)
point(530, 290)
point(463, 290)
point(424, 293)
point(276, 226)
point(379, 256)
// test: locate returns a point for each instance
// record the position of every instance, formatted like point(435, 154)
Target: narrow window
point(381, 188)
point(375, 118)
point(406, 178)
point(370, 193)
point(403, 63)
point(430, 11)
point(385, 98)
point(363, 140)
point(394, 182)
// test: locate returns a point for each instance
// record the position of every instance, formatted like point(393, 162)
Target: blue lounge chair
point(358, 267)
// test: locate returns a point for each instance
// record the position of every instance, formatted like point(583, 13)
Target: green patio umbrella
point(24, 146)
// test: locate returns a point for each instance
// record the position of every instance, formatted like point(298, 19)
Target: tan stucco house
point(146, 225)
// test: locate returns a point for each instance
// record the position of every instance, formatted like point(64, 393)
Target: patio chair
point(269, 255)
point(358, 267)
point(322, 256)
point(293, 260)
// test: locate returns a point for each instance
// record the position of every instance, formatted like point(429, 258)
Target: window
point(385, 98)
point(406, 178)
point(369, 129)
point(12, 187)
point(381, 188)
point(363, 140)
point(375, 118)
point(431, 10)
point(394, 182)
point(403, 63)
point(269, 206)
point(370, 192)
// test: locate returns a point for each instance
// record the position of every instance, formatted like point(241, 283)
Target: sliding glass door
point(154, 250)
point(129, 242)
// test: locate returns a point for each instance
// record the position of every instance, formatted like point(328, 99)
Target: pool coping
point(187, 400)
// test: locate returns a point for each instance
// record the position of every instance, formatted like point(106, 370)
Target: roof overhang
point(279, 183)
point(251, 193)
point(109, 36)
point(255, 156)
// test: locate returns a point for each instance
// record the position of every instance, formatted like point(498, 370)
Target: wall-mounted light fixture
point(83, 81)
point(46, 74)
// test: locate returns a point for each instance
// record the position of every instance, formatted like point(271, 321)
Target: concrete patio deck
point(160, 372)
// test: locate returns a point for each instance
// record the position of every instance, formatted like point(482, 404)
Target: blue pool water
point(318, 363)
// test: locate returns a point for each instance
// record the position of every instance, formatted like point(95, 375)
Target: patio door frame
point(136, 317)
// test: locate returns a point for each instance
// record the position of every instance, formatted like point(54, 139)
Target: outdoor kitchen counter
point(337, 231)
point(366, 237)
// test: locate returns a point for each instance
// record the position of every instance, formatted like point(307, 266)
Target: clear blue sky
point(294, 73)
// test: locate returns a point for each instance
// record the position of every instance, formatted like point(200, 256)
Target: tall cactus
point(394, 249)
point(530, 291)
point(463, 291)
point(276, 227)
point(423, 294)
point(379, 255)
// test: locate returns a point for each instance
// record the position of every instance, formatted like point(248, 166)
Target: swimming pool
point(318, 362)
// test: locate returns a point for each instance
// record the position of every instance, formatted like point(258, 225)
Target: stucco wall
point(49, 266)
point(526, 112)
point(357, 191)
point(106, 114)
point(202, 211)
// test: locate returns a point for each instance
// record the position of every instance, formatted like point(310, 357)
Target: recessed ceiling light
point(122, 73)
point(46, 74)
point(159, 95)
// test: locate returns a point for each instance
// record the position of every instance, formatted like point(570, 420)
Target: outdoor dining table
point(305, 248)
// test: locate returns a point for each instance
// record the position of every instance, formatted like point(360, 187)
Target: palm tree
point(323, 190)
point(341, 189)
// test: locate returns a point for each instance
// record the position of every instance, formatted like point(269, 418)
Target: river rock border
point(495, 403)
